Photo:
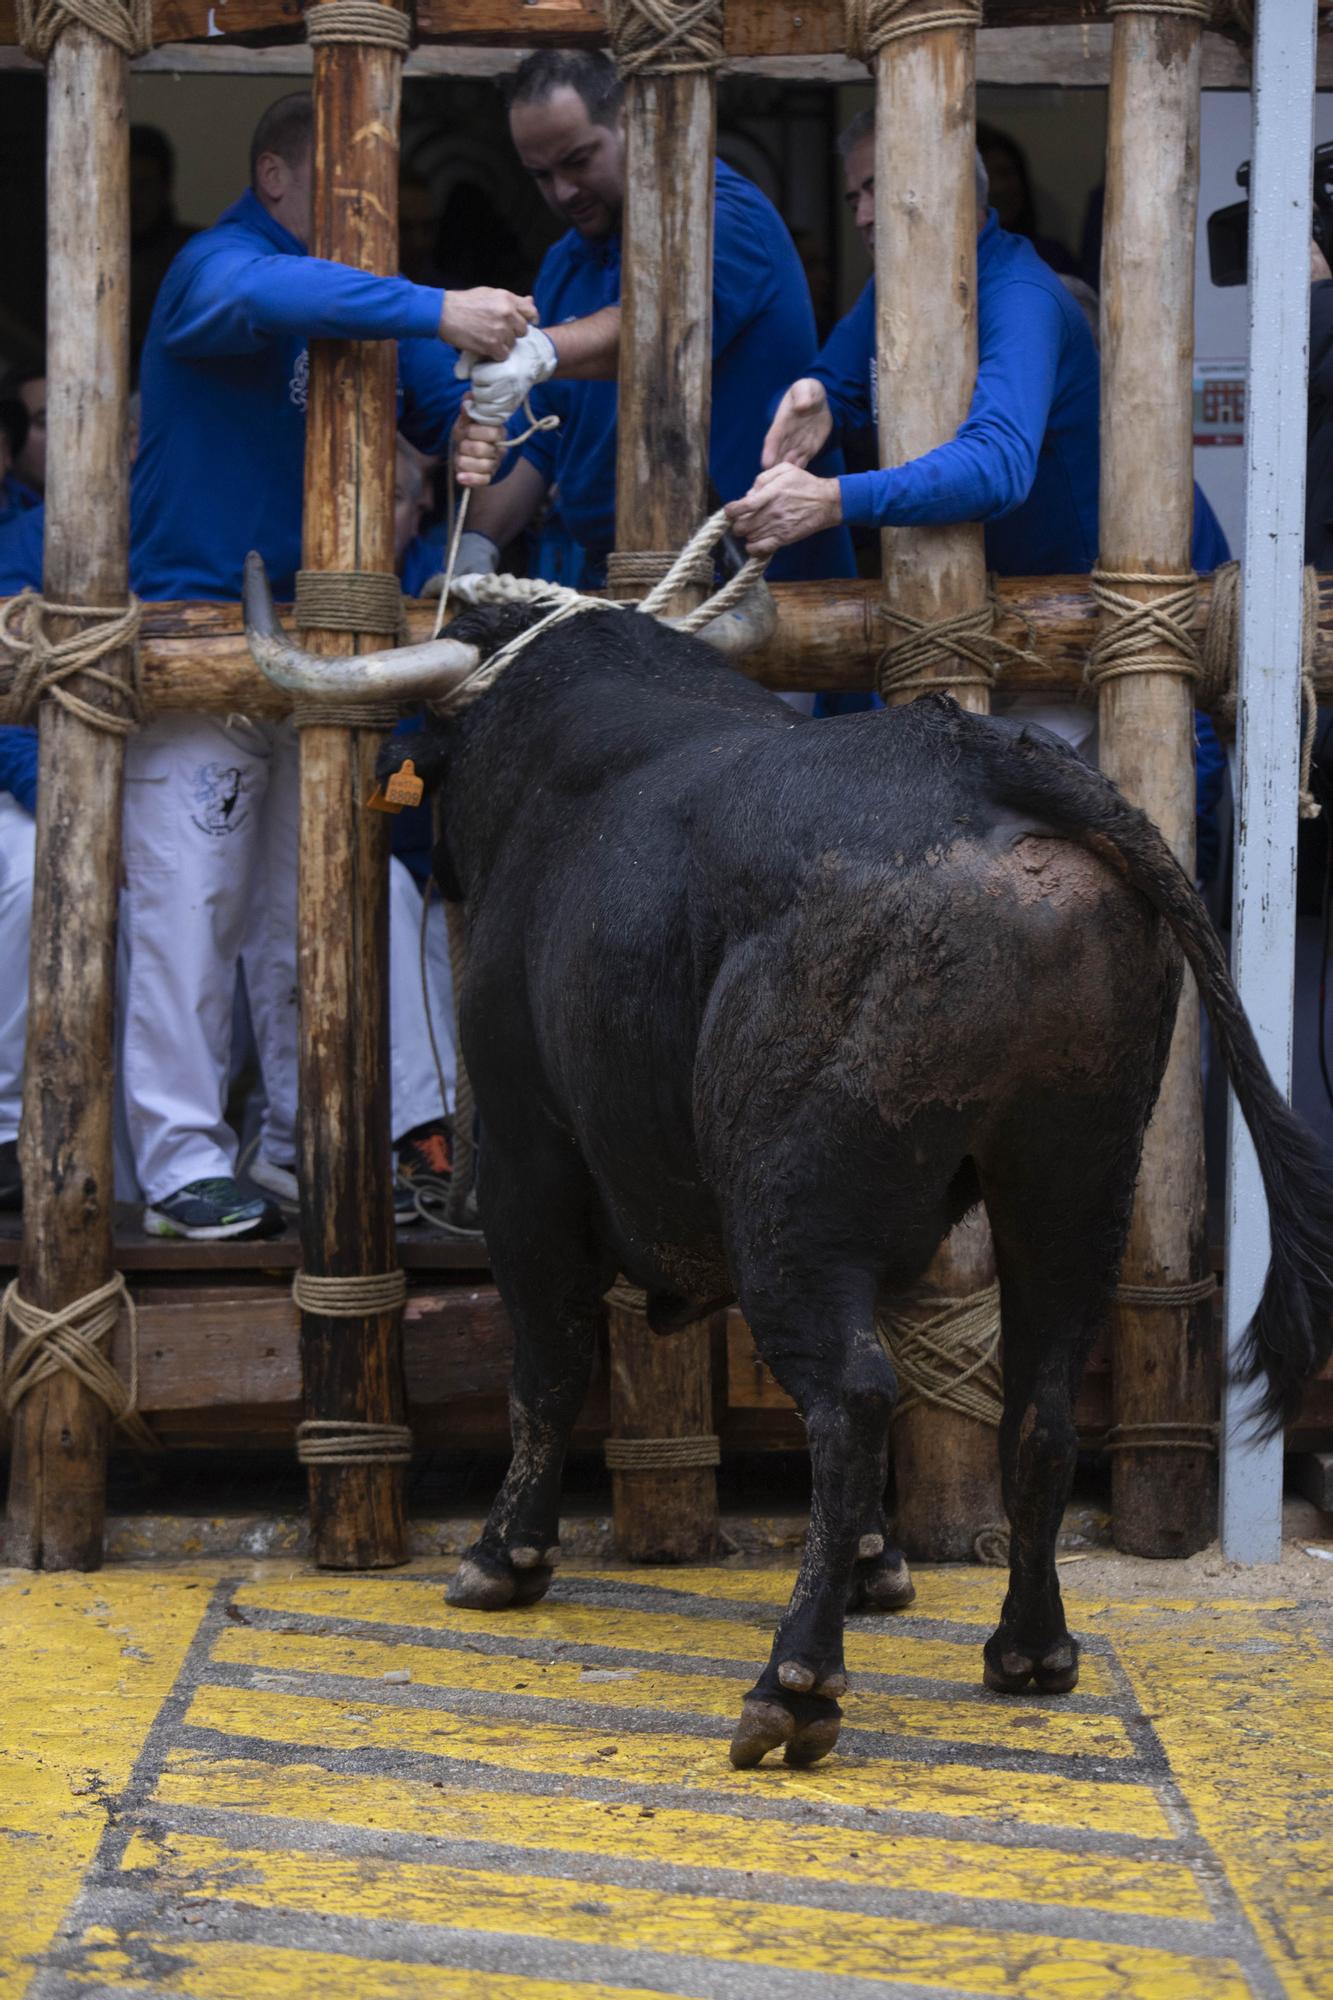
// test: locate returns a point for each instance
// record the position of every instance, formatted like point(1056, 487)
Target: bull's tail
point(1291, 1334)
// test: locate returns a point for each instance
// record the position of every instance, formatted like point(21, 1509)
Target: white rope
point(550, 422)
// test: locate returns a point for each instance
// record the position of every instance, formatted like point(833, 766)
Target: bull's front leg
point(844, 1387)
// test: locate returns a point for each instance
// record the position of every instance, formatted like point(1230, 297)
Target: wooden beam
point(353, 1369)
point(1164, 1498)
point(58, 1469)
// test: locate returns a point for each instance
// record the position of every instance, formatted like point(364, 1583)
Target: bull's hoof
point(881, 1580)
point(483, 1584)
point(804, 1726)
point(1006, 1670)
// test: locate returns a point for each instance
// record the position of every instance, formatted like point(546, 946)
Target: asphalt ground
point(244, 1781)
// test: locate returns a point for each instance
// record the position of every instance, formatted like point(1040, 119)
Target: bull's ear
point(425, 746)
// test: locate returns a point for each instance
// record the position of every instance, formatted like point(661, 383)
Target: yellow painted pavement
point(521, 1828)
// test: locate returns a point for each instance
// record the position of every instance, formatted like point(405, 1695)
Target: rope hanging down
point(873, 24)
point(947, 1352)
point(45, 665)
point(358, 21)
point(70, 1341)
point(126, 24)
point(661, 38)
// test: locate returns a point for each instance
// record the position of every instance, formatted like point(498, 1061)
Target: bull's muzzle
point(404, 673)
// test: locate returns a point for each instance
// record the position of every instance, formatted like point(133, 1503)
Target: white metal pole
point(1268, 718)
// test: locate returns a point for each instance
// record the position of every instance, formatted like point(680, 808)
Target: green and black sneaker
point(206, 1211)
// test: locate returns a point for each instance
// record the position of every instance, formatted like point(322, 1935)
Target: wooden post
point(58, 1467)
point(661, 498)
point(946, 1463)
point(352, 1368)
point(1164, 1498)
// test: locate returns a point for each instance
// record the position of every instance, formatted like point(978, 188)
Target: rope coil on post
point(1155, 637)
point(69, 1340)
point(1191, 1294)
point(963, 635)
point(350, 600)
point(1219, 662)
point(350, 1298)
point(630, 571)
point(625, 1297)
point(947, 1352)
point(663, 38)
point(358, 21)
point(1188, 10)
point(126, 24)
point(873, 24)
point(44, 665)
point(661, 1454)
point(1161, 1437)
point(344, 1441)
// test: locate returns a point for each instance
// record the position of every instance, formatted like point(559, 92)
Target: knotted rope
point(126, 24)
point(947, 1352)
point(45, 665)
point(1155, 637)
point(661, 1454)
point(358, 21)
point(661, 38)
point(343, 1441)
point(873, 24)
point(70, 1340)
point(1219, 662)
point(350, 1298)
point(930, 642)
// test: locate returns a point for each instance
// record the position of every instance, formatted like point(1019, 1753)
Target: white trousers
point(18, 838)
point(416, 1085)
point(211, 814)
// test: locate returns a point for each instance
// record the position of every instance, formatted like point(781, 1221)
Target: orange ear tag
point(403, 789)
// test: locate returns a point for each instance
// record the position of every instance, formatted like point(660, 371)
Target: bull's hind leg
point(1059, 1185)
point(819, 1340)
point(538, 1230)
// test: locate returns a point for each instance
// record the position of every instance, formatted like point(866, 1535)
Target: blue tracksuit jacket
point(225, 377)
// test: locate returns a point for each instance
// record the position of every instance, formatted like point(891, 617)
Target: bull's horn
point(747, 625)
point(398, 675)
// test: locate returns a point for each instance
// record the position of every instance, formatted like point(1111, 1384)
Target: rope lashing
point(350, 600)
point(358, 21)
point(661, 1454)
point(70, 1340)
point(1186, 10)
point(873, 24)
point(350, 1298)
point(947, 1352)
point(1161, 1437)
point(661, 37)
point(126, 24)
point(930, 642)
point(345, 715)
point(625, 1297)
point(1191, 1294)
point(1155, 637)
point(45, 666)
point(1219, 662)
point(631, 571)
point(344, 1441)
point(990, 1545)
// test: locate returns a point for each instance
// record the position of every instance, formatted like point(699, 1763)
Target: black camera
point(1229, 228)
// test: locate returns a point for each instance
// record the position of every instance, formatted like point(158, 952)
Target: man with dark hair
point(211, 805)
point(566, 119)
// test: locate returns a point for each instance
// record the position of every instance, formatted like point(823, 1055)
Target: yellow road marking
point(726, 1930)
point(225, 1971)
point(1249, 1735)
point(1015, 1725)
point(643, 1759)
point(84, 1665)
point(1155, 1888)
point(408, 1602)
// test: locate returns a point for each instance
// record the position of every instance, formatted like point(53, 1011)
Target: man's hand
point(801, 427)
point(485, 321)
point(498, 387)
point(784, 505)
point(477, 449)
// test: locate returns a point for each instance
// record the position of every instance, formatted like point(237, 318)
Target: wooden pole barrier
point(665, 402)
point(58, 1464)
point(352, 1367)
point(946, 1462)
point(1165, 1362)
point(829, 635)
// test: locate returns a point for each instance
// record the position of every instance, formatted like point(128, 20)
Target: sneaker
point(11, 1186)
point(427, 1151)
point(207, 1211)
point(280, 1182)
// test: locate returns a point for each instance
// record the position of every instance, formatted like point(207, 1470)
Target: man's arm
point(587, 350)
point(503, 510)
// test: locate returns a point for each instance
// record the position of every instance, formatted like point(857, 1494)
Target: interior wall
point(208, 120)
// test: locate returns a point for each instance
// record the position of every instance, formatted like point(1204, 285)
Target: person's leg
point(193, 796)
point(18, 834)
point(269, 949)
point(415, 1081)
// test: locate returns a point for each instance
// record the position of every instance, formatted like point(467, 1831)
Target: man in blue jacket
point(567, 122)
point(18, 833)
point(211, 805)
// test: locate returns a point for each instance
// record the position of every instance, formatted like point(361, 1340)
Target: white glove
point(498, 387)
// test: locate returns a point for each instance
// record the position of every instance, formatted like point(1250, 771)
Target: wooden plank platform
point(419, 1249)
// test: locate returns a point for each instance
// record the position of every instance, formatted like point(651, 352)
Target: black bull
point(757, 1008)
